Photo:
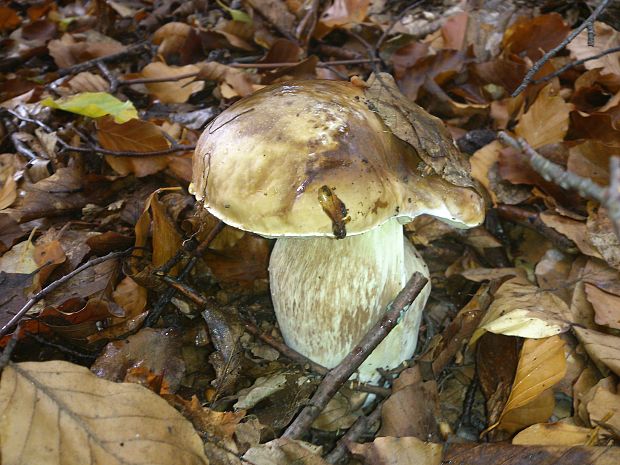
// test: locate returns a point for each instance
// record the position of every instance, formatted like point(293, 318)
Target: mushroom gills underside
point(327, 293)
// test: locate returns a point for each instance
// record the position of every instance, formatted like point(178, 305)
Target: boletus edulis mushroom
point(312, 164)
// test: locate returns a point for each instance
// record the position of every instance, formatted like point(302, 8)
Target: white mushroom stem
point(327, 293)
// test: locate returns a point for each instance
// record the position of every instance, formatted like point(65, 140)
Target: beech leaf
point(60, 413)
point(541, 365)
point(95, 105)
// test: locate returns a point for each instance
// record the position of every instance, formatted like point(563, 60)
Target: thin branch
point(555, 173)
point(573, 64)
point(78, 68)
point(361, 425)
point(126, 154)
point(607, 197)
point(55, 285)
point(339, 374)
point(551, 53)
point(613, 193)
point(167, 296)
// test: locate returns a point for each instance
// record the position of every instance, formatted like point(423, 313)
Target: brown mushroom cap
point(268, 162)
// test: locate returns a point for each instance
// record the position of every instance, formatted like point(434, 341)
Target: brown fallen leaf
point(607, 37)
point(606, 306)
point(575, 230)
point(75, 417)
point(508, 454)
point(156, 350)
point(532, 37)
point(171, 91)
point(133, 136)
point(603, 348)
point(601, 234)
point(413, 411)
point(556, 434)
point(68, 51)
point(603, 406)
point(546, 121)
point(541, 365)
point(397, 451)
point(130, 297)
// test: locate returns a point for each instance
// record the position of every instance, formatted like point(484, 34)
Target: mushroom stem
point(327, 293)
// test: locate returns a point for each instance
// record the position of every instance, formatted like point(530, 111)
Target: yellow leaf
point(541, 365)
point(546, 121)
point(59, 413)
point(555, 434)
point(95, 105)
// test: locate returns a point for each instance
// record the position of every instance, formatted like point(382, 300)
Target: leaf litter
point(102, 104)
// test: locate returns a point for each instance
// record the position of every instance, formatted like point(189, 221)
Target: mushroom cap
point(312, 158)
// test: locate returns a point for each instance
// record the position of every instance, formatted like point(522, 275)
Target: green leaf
point(237, 15)
point(95, 105)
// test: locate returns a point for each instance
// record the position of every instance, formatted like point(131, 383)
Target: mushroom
point(313, 165)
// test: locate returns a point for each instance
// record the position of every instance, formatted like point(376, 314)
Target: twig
point(607, 197)
point(55, 285)
point(339, 374)
point(112, 80)
point(285, 350)
point(178, 77)
point(613, 193)
point(551, 53)
point(573, 64)
point(158, 308)
point(5, 358)
point(78, 68)
point(361, 425)
point(553, 172)
point(394, 22)
point(126, 154)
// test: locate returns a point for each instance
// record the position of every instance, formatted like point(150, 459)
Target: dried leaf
point(8, 191)
point(521, 309)
point(75, 417)
point(604, 407)
point(532, 37)
point(575, 230)
point(13, 293)
point(555, 434)
point(606, 38)
point(178, 91)
point(156, 350)
point(8, 18)
point(541, 365)
point(88, 82)
point(130, 297)
point(67, 51)
point(603, 348)
point(602, 236)
point(95, 105)
point(546, 121)
point(262, 388)
point(133, 136)
point(284, 451)
point(507, 454)
point(398, 451)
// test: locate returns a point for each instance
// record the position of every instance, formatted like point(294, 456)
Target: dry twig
point(339, 374)
point(587, 24)
point(607, 197)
